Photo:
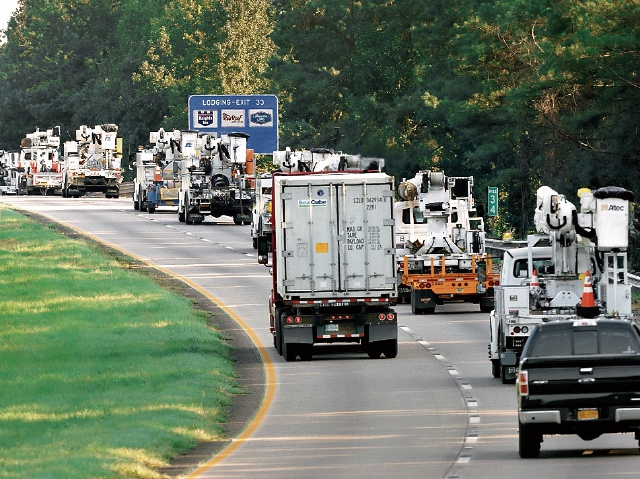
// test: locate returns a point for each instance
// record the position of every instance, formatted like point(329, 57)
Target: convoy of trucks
point(92, 163)
point(343, 251)
point(440, 244)
point(545, 280)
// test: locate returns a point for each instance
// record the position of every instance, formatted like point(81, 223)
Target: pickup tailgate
point(556, 382)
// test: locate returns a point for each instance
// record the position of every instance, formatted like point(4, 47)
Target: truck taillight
point(523, 383)
point(381, 316)
point(289, 319)
point(390, 316)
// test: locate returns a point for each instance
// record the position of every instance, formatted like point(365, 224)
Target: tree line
point(518, 94)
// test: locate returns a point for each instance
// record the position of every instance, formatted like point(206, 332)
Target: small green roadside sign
point(493, 201)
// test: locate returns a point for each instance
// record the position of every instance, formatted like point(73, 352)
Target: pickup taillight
point(523, 383)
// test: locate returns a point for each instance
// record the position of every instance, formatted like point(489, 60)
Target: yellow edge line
point(266, 359)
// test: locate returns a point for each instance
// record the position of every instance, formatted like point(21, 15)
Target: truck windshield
point(568, 342)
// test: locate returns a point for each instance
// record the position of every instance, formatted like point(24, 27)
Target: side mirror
point(263, 250)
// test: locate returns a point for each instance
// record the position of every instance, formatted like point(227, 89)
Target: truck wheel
point(495, 368)
point(486, 309)
point(152, 209)
point(255, 243)
point(136, 206)
point(181, 216)
point(305, 351)
point(277, 335)
point(390, 348)
point(503, 375)
point(373, 350)
point(528, 441)
point(289, 351)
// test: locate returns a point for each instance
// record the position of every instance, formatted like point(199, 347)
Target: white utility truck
point(92, 163)
point(158, 171)
point(545, 280)
point(39, 157)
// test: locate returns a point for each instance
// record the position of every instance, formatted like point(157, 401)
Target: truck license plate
point(331, 327)
point(587, 414)
point(512, 370)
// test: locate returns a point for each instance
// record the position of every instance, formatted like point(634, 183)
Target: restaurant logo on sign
point(232, 118)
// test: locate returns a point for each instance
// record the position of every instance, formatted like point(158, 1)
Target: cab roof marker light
point(585, 322)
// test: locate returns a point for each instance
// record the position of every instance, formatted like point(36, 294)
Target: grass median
point(103, 373)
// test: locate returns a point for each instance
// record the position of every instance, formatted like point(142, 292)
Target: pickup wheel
point(528, 441)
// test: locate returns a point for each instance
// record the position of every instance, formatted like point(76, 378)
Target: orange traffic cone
point(534, 280)
point(587, 306)
point(587, 293)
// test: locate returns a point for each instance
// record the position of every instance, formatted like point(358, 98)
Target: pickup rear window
point(575, 342)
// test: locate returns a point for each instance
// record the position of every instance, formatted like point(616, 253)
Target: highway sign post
point(255, 115)
point(493, 201)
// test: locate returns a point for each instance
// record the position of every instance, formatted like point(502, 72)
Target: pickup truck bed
point(579, 377)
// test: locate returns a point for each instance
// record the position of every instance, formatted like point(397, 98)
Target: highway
point(433, 412)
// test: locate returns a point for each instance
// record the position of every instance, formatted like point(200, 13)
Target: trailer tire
point(305, 351)
point(390, 348)
point(289, 351)
point(529, 441)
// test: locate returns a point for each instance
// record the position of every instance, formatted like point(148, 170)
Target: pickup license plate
point(587, 414)
point(331, 327)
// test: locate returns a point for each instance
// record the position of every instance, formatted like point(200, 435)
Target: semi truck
point(92, 163)
point(545, 280)
point(39, 157)
point(218, 180)
point(440, 244)
point(158, 170)
point(333, 260)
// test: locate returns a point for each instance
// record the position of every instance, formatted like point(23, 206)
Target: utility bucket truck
point(92, 162)
point(40, 160)
point(13, 178)
point(216, 182)
point(545, 280)
point(440, 244)
point(158, 172)
point(333, 256)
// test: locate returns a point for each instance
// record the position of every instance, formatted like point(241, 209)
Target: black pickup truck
point(578, 377)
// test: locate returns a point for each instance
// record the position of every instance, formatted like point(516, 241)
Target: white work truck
point(545, 280)
point(333, 262)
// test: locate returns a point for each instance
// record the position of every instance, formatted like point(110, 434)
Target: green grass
point(103, 373)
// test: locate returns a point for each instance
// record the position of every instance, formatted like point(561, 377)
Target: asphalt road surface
point(432, 412)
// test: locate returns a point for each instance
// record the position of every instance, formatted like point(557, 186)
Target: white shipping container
point(334, 235)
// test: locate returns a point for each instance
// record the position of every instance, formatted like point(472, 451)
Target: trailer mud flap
point(380, 332)
point(297, 334)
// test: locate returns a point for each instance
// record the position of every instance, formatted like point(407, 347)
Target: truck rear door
point(337, 234)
